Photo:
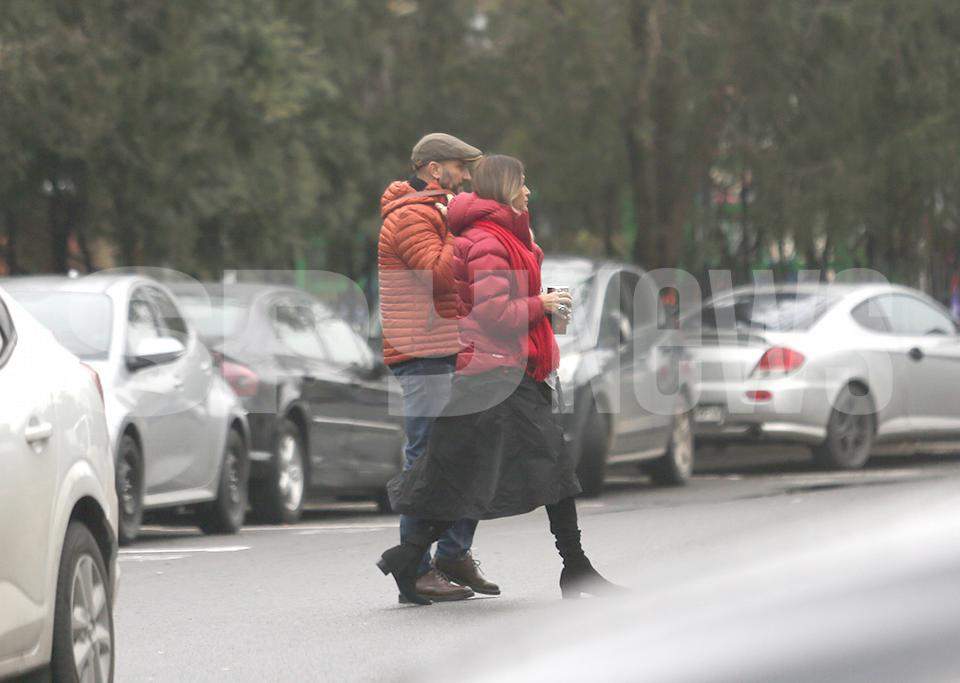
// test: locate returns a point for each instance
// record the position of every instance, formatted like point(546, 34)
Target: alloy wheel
point(852, 428)
point(128, 484)
point(290, 476)
point(233, 477)
point(682, 443)
point(90, 622)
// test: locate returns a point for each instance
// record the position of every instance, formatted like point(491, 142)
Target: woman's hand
point(557, 302)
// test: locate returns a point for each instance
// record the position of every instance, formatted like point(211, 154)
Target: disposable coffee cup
point(558, 322)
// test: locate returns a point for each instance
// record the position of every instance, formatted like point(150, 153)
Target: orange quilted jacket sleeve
point(424, 245)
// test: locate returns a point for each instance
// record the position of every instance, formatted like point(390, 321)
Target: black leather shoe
point(466, 572)
point(402, 561)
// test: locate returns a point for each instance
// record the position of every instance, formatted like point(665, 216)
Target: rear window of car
point(779, 312)
point(215, 318)
point(82, 322)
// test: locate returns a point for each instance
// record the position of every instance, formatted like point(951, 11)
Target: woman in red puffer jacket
point(498, 448)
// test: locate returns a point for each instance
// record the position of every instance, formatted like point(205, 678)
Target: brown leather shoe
point(435, 586)
point(466, 572)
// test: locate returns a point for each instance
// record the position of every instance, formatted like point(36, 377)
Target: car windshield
point(762, 311)
point(80, 321)
point(216, 317)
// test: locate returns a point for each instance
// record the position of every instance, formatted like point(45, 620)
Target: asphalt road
point(762, 568)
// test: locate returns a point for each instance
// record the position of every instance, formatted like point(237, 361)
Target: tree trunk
point(12, 233)
point(59, 231)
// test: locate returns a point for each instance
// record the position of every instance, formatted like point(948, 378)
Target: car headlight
point(568, 368)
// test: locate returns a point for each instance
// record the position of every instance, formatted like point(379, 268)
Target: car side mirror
point(379, 369)
point(155, 351)
point(375, 371)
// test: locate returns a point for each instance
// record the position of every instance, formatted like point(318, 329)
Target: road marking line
point(167, 551)
point(358, 530)
point(152, 558)
point(322, 527)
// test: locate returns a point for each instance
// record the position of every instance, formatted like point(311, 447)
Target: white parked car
point(179, 433)
point(58, 508)
point(850, 370)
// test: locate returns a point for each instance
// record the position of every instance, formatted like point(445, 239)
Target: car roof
point(94, 283)
point(585, 266)
point(838, 289)
point(245, 291)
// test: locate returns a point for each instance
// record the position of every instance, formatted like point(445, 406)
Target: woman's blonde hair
point(498, 177)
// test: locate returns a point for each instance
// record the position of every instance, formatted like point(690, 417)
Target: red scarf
point(543, 354)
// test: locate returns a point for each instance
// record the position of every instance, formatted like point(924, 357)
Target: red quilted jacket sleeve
point(496, 306)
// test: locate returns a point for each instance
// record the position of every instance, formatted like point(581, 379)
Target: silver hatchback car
point(178, 431)
point(850, 370)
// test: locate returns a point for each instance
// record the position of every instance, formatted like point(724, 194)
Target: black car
point(623, 375)
point(317, 395)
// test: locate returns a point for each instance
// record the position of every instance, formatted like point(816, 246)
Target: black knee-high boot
point(578, 575)
point(402, 560)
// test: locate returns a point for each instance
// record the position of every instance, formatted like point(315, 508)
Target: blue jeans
point(425, 383)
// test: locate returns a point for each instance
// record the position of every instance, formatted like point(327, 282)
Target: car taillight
point(242, 379)
point(96, 380)
point(779, 361)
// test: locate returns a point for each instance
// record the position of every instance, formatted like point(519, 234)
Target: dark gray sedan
point(317, 395)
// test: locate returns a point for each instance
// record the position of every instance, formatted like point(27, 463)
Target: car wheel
point(593, 442)
point(225, 514)
point(676, 467)
point(129, 483)
point(384, 506)
point(83, 646)
point(279, 499)
point(850, 431)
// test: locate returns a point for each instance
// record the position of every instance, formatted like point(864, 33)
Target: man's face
point(450, 175)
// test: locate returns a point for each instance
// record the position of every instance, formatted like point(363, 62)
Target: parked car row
point(178, 433)
point(119, 395)
point(850, 370)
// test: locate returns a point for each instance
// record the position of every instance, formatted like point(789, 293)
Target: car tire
point(278, 499)
point(129, 484)
point(384, 506)
point(592, 445)
point(676, 467)
point(83, 614)
point(225, 514)
point(850, 431)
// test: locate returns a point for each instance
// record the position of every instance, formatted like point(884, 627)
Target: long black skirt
point(496, 450)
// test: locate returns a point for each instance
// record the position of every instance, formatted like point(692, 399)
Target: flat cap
point(442, 147)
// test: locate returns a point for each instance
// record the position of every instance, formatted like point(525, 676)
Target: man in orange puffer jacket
point(419, 304)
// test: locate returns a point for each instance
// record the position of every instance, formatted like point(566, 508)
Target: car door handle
point(38, 431)
point(178, 383)
point(916, 353)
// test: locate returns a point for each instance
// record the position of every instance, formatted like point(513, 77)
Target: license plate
point(712, 414)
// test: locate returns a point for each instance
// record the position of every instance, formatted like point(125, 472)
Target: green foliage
point(260, 133)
